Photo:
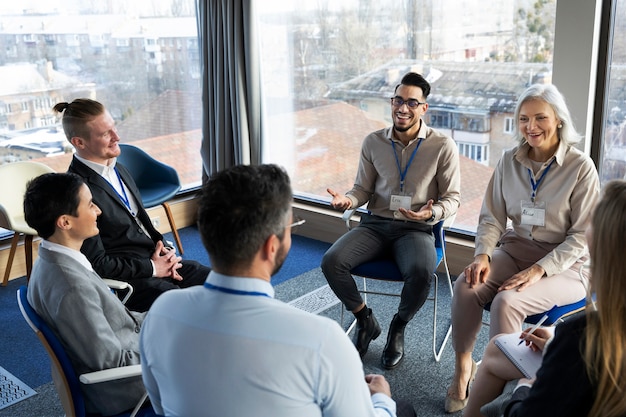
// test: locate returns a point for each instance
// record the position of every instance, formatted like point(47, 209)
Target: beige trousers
point(510, 308)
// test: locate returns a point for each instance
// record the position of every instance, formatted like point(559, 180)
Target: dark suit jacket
point(122, 250)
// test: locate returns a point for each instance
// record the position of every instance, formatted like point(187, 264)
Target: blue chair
point(66, 381)
point(157, 182)
point(555, 315)
point(385, 269)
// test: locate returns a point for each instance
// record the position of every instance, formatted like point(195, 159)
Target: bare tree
point(533, 39)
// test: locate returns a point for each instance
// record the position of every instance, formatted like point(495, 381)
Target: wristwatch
point(432, 218)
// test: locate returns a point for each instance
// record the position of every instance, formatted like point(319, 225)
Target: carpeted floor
point(22, 355)
point(419, 379)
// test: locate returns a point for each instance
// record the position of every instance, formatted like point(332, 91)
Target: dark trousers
point(410, 244)
point(146, 290)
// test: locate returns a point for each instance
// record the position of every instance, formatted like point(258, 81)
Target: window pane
point(140, 59)
point(329, 69)
point(613, 149)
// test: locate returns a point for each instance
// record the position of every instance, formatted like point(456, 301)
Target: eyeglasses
point(399, 101)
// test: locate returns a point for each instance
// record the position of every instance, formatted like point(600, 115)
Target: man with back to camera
point(128, 247)
point(245, 352)
point(410, 179)
point(96, 329)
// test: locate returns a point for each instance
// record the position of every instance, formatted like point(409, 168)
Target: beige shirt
point(570, 190)
point(434, 172)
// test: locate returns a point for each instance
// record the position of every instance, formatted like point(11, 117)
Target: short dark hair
point(415, 79)
point(240, 207)
point(48, 197)
point(77, 114)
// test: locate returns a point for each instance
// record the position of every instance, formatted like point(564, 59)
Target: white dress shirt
point(229, 348)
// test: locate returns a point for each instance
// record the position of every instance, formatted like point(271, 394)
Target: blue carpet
point(305, 253)
point(21, 353)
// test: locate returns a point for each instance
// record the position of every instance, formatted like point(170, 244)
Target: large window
point(139, 58)
point(329, 69)
point(613, 150)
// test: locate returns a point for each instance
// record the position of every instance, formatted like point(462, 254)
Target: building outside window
point(108, 51)
point(476, 62)
point(508, 125)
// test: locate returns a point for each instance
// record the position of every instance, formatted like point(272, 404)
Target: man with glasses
point(409, 177)
point(229, 348)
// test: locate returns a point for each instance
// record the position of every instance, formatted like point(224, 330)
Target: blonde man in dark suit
point(128, 246)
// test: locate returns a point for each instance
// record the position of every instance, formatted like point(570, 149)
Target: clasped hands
point(342, 202)
point(166, 262)
point(478, 272)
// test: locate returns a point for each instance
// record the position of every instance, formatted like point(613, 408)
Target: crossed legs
point(494, 372)
point(508, 310)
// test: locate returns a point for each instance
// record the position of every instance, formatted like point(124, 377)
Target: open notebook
point(526, 360)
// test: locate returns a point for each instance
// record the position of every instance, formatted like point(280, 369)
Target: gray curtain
point(230, 84)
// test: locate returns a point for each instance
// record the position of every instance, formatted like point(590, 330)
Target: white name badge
point(534, 214)
point(399, 201)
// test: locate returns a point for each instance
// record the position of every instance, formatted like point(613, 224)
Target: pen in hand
point(532, 330)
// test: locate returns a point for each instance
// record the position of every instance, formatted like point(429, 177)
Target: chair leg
point(438, 352)
point(7, 272)
point(28, 255)
point(143, 399)
point(170, 219)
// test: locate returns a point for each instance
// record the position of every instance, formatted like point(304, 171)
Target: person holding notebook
point(583, 372)
point(496, 368)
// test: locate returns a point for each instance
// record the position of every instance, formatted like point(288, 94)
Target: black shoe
point(394, 349)
point(367, 330)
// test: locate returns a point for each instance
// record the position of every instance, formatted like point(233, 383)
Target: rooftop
point(462, 86)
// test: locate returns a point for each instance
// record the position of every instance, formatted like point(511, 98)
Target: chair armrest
point(115, 284)
point(111, 374)
point(119, 285)
point(347, 215)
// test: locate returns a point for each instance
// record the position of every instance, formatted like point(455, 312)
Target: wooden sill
point(322, 224)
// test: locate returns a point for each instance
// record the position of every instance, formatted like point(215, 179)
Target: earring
point(560, 125)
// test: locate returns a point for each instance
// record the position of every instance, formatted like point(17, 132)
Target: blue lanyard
point(534, 184)
point(235, 292)
point(124, 197)
point(406, 168)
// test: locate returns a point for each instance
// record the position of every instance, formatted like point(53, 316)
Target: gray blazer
point(95, 328)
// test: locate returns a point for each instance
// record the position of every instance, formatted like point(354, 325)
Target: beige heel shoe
point(454, 404)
